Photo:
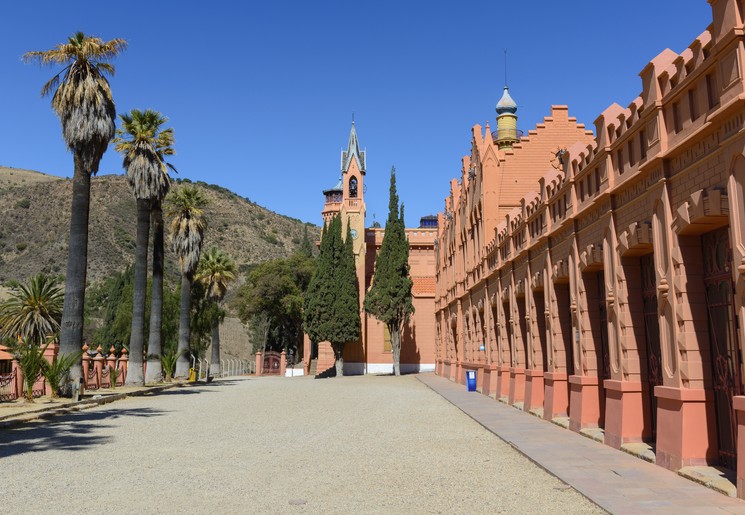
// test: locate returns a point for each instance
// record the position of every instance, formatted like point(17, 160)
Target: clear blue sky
point(260, 94)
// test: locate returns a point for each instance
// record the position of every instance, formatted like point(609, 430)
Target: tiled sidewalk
point(616, 481)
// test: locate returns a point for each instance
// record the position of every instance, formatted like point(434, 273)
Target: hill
point(35, 217)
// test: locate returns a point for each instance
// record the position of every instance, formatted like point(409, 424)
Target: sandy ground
point(372, 444)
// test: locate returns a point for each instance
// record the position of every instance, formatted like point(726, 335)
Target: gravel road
point(368, 444)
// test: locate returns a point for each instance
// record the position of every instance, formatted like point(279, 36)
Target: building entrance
point(726, 361)
point(651, 335)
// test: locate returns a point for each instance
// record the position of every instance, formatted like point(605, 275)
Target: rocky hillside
point(35, 213)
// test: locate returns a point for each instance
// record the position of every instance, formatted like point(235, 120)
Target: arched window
point(353, 187)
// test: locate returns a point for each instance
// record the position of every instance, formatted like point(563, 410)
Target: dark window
point(353, 187)
point(711, 93)
point(692, 103)
point(643, 143)
point(619, 161)
point(676, 117)
point(632, 161)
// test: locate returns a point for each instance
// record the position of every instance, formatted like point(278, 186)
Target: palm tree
point(185, 207)
point(82, 99)
point(144, 146)
point(216, 271)
point(33, 311)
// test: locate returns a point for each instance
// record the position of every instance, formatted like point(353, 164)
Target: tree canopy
point(271, 301)
point(389, 298)
point(332, 302)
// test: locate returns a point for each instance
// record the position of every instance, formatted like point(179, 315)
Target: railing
point(235, 367)
point(8, 387)
point(507, 135)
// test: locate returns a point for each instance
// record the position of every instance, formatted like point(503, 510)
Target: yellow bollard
point(192, 375)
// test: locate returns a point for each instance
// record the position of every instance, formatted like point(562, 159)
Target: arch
point(353, 189)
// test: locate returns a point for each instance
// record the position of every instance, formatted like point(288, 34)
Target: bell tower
point(353, 168)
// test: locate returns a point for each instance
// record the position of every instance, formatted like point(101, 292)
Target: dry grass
point(35, 214)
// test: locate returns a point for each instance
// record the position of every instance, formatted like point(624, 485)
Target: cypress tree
point(389, 298)
point(332, 300)
point(312, 306)
point(346, 321)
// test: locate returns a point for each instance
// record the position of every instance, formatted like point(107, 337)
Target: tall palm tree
point(185, 207)
point(216, 271)
point(82, 98)
point(33, 311)
point(144, 146)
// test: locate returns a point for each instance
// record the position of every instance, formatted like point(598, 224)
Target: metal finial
point(505, 67)
point(352, 117)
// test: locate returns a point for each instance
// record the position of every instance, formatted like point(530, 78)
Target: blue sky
point(260, 94)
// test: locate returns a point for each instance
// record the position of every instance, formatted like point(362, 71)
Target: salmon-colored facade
point(372, 353)
point(600, 277)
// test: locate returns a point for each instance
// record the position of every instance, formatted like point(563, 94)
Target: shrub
point(24, 204)
point(20, 247)
point(57, 373)
point(30, 357)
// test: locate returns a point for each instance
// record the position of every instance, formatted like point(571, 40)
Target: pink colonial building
point(598, 279)
point(372, 353)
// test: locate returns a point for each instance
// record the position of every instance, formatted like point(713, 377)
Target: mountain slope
point(35, 214)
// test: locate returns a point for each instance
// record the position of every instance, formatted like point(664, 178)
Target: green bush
point(57, 373)
point(24, 204)
point(20, 247)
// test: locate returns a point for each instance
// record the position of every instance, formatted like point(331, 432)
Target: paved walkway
point(614, 480)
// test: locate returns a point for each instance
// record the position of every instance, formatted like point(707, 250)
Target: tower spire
point(353, 151)
point(505, 70)
point(507, 133)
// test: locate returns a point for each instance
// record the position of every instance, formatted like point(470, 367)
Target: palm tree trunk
point(154, 371)
point(135, 375)
point(215, 365)
point(71, 330)
point(182, 364)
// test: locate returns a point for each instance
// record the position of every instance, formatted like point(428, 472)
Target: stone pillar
point(123, 366)
point(49, 355)
point(282, 364)
point(111, 363)
point(98, 362)
point(86, 364)
point(18, 386)
point(259, 363)
point(534, 386)
point(557, 395)
point(738, 404)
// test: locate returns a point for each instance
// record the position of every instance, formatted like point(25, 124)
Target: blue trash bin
point(471, 380)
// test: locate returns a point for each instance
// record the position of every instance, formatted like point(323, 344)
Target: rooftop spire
point(353, 151)
point(505, 68)
point(506, 104)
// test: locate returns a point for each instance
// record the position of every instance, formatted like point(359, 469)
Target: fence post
point(18, 375)
point(86, 364)
point(282, 364)
point(124, 365)
point(259, 363)
point(98, 365)
point(50, 354)
point(111, 363)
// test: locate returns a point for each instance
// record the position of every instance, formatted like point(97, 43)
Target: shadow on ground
point(70, 432)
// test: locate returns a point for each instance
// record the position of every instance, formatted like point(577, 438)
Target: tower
point(347, 197)
point(353, 168)
point(507, 133)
